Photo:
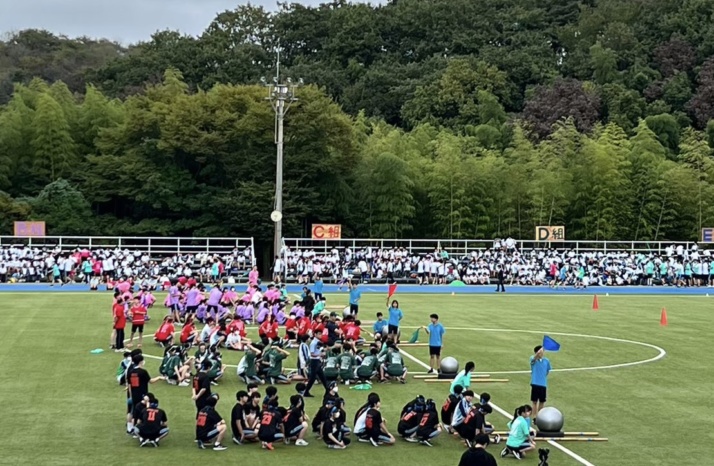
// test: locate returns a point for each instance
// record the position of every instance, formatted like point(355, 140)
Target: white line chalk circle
point(661, 352)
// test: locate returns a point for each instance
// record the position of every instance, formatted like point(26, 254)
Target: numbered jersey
point(152, 420)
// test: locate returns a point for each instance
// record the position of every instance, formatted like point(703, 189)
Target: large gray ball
point(549, 420)
point(346, 311)
point(449, 365)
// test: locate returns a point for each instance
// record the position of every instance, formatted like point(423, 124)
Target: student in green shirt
point(368, 368)
point(275, 365)
point(463, 378)
point(247, 368)
point(332, 367)
point(346, 362)
point(319, 307)
point(519, 441)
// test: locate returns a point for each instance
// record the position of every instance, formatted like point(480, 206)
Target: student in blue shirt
point(317, 289)
point(540, 368)
point(379, 325)
point(395, 316)
point(436, 333)
point(355, 296)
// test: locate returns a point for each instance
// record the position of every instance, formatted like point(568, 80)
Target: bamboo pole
point(472, 381)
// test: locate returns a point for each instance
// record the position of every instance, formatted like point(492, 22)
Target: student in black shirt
point(202, 386)
point(477, 455)
point(501, 276)
point(239, 427)
point(210, 425)
point(139, 380)
point(269, 431)
point(429, 427)
point(375, 427)
point(447, 410)
point(295, 422)
point(152, 425)
point(333, 431)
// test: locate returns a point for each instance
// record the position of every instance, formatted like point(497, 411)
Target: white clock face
point(276, 216)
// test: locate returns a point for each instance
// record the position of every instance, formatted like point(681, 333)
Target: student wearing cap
point(540, 368)
point(477, 454)
point(210, 426)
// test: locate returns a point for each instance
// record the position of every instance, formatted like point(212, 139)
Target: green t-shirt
point(367, 367)
point(319, 307)
point(331, 365)
point(346, 362)
point(250, 363)
point(171, 365)
point(396, 364)
point(275, 360)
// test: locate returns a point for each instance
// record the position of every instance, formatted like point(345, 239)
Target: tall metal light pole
point(281, 95)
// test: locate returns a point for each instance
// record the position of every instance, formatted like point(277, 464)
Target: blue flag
point(549, 344)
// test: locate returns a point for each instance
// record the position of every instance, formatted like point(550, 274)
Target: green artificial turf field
point(61, 404)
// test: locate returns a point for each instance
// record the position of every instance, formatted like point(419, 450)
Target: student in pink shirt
point(253, 276)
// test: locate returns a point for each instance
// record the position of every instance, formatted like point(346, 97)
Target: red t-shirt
point(291, 325)
point(138, 315)
point(303, 325)
point(186, 332)
point(352, 332)
point(118, 310)
point(237, 325)
point(165, 331)
point(269, 330)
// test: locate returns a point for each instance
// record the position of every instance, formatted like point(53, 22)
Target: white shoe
point(184, 384)
point(301, 443)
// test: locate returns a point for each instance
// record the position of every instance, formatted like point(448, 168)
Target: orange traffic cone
point(595, 304)
point(663, 318)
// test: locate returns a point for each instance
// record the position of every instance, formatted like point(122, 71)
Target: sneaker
point(337, 447)
point(237, 442)
point(411, 439)
point(172, 382)
point(469, 444)
point(143, 443)
point(301, 443)
point(184, 384)
point(431, 371)
point(363, 440)
point(426, 443)
point(200, 445)
point(517, 454)
point(215, 384)
point(154, 443)
point(286, 441)
point(504, 452)
point(347, 382)
point(497, 439)
point(373, 442)
point(219, 447)
point(268, 446)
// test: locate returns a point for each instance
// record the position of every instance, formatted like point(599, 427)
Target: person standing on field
point(436, 333)
point(540, 368)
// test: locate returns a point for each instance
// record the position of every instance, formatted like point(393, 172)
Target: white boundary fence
point(154, 246)
point(463, 247)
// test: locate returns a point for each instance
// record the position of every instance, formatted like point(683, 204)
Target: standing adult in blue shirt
point(436, 333)
point(317, 289)
point(540, 368)
point(355, 296)
point(316, 372)
point(395, 316)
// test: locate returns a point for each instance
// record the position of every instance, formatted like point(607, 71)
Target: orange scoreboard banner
point(326, 231)
point(29, 228)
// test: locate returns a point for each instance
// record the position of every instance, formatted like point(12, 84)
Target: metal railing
point(464, 247)
point(154, 246)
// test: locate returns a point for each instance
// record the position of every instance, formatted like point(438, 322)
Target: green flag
point(415, 336)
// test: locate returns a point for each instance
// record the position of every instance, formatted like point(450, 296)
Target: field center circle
point(661, 352)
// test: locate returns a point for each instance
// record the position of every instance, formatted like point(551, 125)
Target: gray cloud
point(125, 21)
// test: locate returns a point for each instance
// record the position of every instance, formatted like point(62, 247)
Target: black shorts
point(393, 329)
point(354, 309)
point(434, 350)
point(191, 309)
point(137, 328)
point(538, 393)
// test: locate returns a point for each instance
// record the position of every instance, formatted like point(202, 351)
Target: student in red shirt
point(291, 327)
point(268, 330)
point(119, 324)
point(353, 331)
point(138, 318)
point(189, 332)
point(304, 324)
point(165, 334)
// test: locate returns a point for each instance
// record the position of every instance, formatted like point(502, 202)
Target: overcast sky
point(125, 21)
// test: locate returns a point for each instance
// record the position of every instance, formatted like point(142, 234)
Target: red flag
point(392, 290)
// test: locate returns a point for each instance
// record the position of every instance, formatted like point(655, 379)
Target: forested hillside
point(422, 118)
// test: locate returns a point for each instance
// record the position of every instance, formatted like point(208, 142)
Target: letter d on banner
point(542, 233)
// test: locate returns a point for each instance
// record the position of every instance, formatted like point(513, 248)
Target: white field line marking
point(661, 352)
point(568, 452)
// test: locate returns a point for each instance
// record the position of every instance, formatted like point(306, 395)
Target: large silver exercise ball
point(549, 420)
point(449, 365)
point(346, 312)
